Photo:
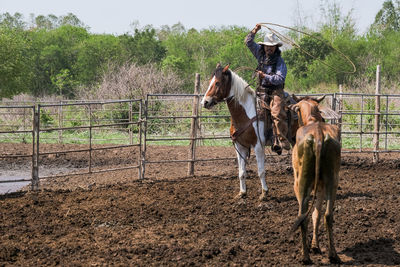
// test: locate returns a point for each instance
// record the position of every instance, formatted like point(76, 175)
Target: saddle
point(264, 114)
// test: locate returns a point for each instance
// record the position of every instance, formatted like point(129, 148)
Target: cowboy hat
point(271, 40)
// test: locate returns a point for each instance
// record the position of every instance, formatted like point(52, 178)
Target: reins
point(228, 99)
point(240, 131)
point(237, 133)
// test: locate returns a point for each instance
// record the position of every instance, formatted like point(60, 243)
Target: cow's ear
point(294, 107)
point(296, 98)
point(319, 99)
point(226, 68)
point(328, 113)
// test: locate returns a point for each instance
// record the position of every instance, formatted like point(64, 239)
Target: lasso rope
point(293, 43)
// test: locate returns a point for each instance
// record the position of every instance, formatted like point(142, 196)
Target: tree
point(51, 21)
point(12, 22)
point(199, 51)
point(15, 66)
point(388, 17)
point(93, 55)
point(64, 83)
point(298, 61)
point(53, 51)
point(46, 22)
point(72, 20)
point(143, 47)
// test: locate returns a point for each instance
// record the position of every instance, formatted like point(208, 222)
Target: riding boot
point(276, 147)
point(285, 144)
point(268, 132)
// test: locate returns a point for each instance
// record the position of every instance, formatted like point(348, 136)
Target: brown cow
point(316, 163)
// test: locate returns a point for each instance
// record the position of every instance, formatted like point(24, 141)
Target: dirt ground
point(170, 219)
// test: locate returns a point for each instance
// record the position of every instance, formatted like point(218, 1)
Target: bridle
point(227, 99)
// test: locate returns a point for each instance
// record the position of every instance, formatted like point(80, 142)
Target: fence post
point(140, 122)
point(90, 138)
point(130, 123)
point(193, 126)
point(60, 124)
point(35, 148)
point(340, 109)
point(144, 143)
point(377, 113)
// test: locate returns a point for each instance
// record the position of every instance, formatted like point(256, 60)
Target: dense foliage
point(58, 55)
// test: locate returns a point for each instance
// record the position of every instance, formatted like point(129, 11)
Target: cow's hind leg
point(260, 156)
point(242, 155)
point(302, 187)
point(316, 217)
point(302, 194)
point(333, 257)
point(303, 227)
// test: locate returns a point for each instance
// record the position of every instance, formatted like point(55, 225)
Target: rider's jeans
point(278, 113)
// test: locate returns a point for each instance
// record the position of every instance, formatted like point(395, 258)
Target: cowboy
point(272, 73)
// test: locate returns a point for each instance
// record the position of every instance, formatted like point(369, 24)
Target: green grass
point(353, 142)
point(105, 137)
point(122, 138)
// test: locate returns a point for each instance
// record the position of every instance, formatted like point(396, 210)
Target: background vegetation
point(59, 56)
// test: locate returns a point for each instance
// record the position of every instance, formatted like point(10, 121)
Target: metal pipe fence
point(173, 119)
point(17, 124)
point(358, 112)
point(90, 124)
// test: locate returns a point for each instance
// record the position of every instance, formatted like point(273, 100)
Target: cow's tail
point(317, 149)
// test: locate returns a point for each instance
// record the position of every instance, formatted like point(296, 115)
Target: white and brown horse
point(247, 131)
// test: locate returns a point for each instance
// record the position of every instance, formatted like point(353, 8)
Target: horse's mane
point(241, 88)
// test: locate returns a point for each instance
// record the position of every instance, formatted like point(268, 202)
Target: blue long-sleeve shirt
point(277, 78)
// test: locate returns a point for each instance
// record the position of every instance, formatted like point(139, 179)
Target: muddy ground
point(170, 219)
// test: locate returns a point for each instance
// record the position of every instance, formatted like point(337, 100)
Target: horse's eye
point(217, 84)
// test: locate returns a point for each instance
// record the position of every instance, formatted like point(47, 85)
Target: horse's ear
point(218, 65)
point(226, 68)
point(319, 99)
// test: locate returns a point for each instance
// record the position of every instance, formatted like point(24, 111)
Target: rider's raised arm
point(253, 46)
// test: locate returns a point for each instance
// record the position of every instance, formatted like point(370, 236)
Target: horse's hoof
point(277, 149)
point(241, 195)
point(316, 250)
point(335, 259)
point(264, 195)
point(306, 261)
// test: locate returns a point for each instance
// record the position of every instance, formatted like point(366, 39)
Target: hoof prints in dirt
point(197, 220)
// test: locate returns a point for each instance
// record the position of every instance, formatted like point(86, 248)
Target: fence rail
point(370, 123)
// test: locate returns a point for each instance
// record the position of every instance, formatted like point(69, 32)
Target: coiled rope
point(293, 43)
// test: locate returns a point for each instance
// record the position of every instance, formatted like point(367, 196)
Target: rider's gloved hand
point(256, 28)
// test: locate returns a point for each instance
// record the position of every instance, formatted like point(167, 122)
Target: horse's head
point(219, 87)
point(307, 109)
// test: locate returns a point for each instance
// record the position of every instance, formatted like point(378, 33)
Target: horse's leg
point(260, 156)
point(242, 155)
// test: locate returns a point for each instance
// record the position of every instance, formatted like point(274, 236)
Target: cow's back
point(330, 156)
point(304, 152)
